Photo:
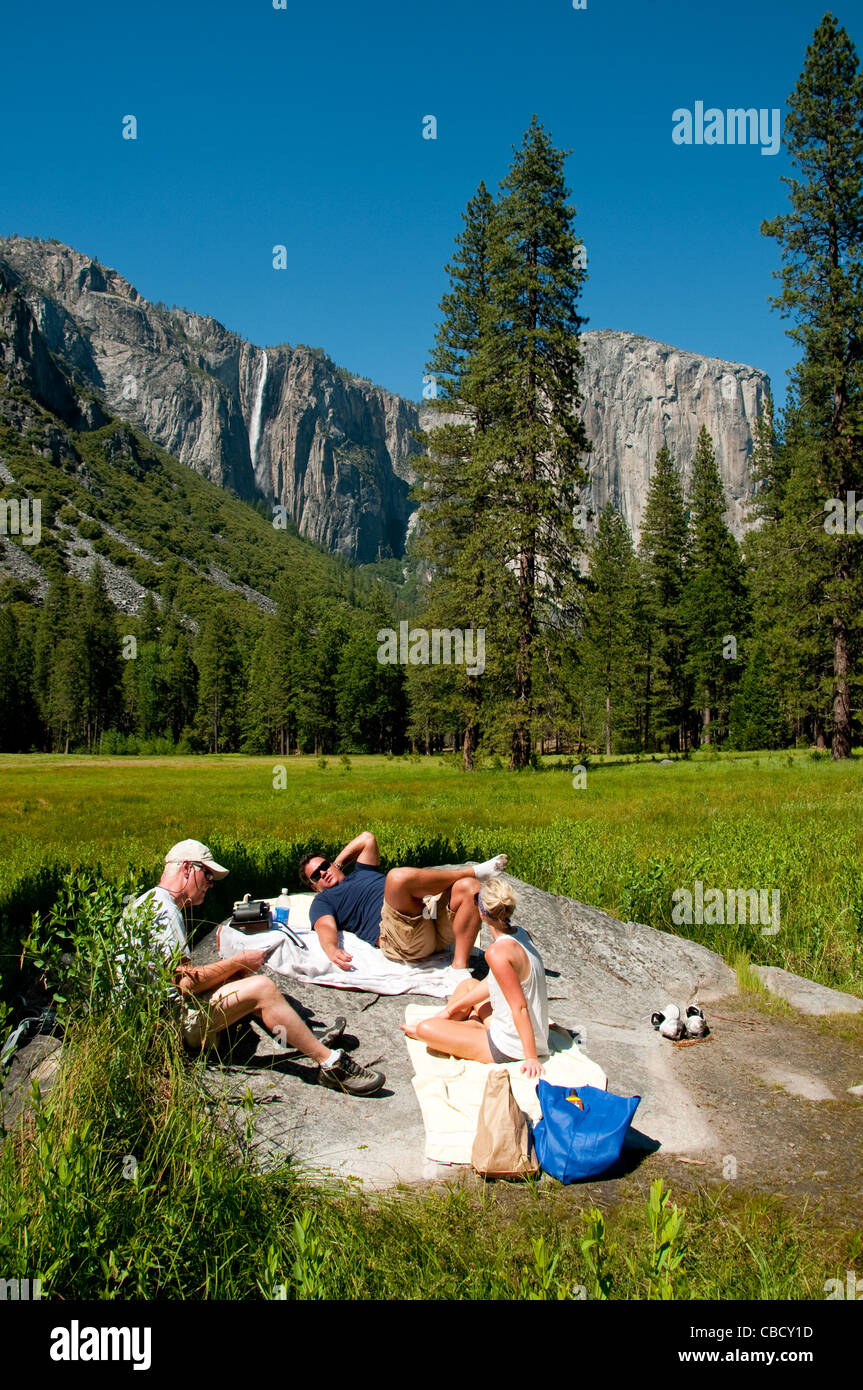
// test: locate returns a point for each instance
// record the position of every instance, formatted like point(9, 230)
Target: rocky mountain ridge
point(286, 425)
point(94, 489)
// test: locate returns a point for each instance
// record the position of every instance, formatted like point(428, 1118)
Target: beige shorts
point(414, 938)
point(195, 1018)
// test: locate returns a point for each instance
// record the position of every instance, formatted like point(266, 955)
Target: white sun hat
point(194, 852)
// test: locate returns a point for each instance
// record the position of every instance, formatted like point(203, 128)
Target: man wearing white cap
point(214, 996)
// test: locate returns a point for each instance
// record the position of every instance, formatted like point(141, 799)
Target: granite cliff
point(286, 425)
point(639, 394)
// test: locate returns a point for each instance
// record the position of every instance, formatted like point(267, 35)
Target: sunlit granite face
point(286, 424)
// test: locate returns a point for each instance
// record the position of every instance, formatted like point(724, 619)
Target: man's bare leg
point(259, 995)
point(466, 920)
point(407, 887)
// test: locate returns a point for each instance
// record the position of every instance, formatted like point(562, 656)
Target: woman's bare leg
point(468, 1039)
point(482, 1011)
point(461, 990)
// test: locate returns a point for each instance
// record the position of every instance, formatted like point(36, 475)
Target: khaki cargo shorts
point(414, 938)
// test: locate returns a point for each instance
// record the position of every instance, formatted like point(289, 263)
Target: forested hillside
point(158, 611)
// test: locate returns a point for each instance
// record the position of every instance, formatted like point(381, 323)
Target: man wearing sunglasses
point(410, 913)
point(214, 996)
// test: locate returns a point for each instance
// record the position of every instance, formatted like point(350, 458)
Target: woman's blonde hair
point(498, 901)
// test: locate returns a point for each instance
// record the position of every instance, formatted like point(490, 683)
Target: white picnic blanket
point(370, 970)
point(450, 1090)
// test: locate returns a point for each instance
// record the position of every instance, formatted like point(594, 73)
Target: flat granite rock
point(605, 978)
point(38, 1060)
point(798, 1083)
point(736, 1094)
point(612, 976)
point(806, 995)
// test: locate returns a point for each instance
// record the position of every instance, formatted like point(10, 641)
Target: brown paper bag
point(502, 1146)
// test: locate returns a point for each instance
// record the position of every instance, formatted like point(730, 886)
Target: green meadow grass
point(125, 1183)
point(623, 842)
point(196, 1220)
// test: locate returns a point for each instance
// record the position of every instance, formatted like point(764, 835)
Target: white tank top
point(502, 1029)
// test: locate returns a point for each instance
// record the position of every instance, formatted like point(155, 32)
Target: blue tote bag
point(572, 1143)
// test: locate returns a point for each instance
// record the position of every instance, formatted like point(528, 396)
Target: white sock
point(335, 1056)
point(489, 867)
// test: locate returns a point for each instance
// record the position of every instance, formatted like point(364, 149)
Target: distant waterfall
point(255, 431)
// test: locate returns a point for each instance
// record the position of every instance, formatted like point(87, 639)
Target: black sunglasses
point(321, 869)
point(206, 872)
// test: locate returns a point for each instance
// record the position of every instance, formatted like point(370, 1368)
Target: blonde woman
point(503, 1018)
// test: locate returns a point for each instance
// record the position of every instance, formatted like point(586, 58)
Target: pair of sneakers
point(671, 1024)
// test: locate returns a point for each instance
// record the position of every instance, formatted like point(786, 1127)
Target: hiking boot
point(346, 1076)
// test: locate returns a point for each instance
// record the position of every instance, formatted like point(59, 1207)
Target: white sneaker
point(696, 1024)
point(673, 1028)
point(669, 1023)
point(430, 908)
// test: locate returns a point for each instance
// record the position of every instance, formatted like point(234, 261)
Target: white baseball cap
point(195, 853)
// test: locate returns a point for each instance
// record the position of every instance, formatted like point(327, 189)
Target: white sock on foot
point(335, 1056)
point(490, 867)
point(456, 973)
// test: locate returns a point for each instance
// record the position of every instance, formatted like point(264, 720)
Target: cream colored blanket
point(450, 1090)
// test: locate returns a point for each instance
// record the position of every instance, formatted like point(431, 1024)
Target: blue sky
point(303, 127)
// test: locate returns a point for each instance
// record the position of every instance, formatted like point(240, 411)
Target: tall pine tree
point(100, 658)
point(529, 361)
point(454, 542)
point(662, 549)
point(57, 665)
point(822, 290)
point(713, 600)
point(220, 686)
point(611, 642)
point(786, 617)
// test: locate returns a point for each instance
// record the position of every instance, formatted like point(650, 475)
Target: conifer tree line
point(688, 639)
point(656, 656)
point(305, 680)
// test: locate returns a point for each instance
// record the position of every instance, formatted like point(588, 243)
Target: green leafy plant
point(665, 1273)
point(597, 1255)
point(5, 1055)
point(539, 1282)
point(93, 951)
point(310, 1258)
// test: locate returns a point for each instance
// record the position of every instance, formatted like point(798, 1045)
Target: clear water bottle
point(280, 908)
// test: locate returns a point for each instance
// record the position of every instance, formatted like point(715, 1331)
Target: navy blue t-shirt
point(355, 903)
